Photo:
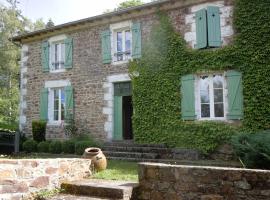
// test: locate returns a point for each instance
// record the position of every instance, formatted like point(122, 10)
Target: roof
point(154, 4)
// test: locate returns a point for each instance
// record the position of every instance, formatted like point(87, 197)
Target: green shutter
point(235, 95)
point(44, 104)
point(214, 29)
point(45, 56)
point(136, 40)
point(201, 29)
point(117, 118)
point(69, 102)
point(188, 97)
point(68, 53)
point(106, 47)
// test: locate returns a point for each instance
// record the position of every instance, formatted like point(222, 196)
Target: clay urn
point(99, 161)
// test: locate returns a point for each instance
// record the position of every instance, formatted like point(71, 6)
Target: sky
point(62, 11)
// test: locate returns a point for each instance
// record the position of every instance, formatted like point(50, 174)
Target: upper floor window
point(208, 29)
point(57, 54)
point(57, 58)
point(122, 43)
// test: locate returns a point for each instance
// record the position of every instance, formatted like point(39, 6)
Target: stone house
point(81, 68)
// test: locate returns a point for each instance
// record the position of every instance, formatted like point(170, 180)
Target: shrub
point(43, 146)
point(68, 146)
point(30, 146)
point(39, 130)
point(82, 145)
point(253, 149)
point(55, 147)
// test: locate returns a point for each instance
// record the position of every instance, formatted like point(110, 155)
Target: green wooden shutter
point(68, 53)
point(136, 40)
point(117, 118)
point(44, 104)
point(188, 97)
point(213, 24)
point(69, 102)
point(106, 47)
point(201, 29)
point(45, 56)
point(235, 95)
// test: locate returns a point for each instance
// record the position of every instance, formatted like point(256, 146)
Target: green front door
point(118, 119)
point(120, 89)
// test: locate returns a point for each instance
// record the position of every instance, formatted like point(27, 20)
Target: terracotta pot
point(99, 160)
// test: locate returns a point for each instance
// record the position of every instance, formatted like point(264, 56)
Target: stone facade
point(20, 177)
point(91, 79)
point(176, 182)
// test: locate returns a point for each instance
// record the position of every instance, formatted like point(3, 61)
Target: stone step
point(216, 163)
point(75, 197)
point(131, 143)
point(101, 188)
point(131, 154)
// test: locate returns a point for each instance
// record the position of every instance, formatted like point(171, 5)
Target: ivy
point(166, 58)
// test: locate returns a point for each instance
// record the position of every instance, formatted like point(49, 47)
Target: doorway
point(123, 110)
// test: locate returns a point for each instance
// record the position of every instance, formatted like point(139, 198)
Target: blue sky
point(62, 11)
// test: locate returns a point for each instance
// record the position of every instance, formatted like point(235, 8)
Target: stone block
point(211, 197)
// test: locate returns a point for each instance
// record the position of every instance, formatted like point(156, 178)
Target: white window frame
point(59, 39)
point(211, 95)
point(52, 85)
point(120, 27)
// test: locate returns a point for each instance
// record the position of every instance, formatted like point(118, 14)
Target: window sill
point(57, 71)
point(55, 123)
point(213, 119)
point(120, 62)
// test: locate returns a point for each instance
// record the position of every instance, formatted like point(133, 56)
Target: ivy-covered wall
point(166, 58)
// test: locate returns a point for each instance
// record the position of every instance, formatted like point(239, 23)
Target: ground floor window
point(58, 96)
point(211, 95)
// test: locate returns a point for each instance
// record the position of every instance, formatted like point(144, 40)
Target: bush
point(55, 147)
point(82, 145)
point(68, 146)
point(253, 149)
point(39, 130)
point(30, 146)
point(43, 147)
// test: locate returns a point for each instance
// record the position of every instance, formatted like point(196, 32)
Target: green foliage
point(9, 127)
point(70, 126)
point(55, 147)
point(82, 145)
point(68, 146)
point(39, 130)
point(129, 3)
point(253, 149)
point(30, 146)
point(166, 58)
point(43, 147)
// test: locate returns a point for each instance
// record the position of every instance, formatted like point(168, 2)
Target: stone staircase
point(91, 189)
point(129, 151)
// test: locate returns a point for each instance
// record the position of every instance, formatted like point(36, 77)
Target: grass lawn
point(119, 170)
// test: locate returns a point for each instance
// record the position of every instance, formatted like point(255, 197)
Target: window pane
point(127, 42)
point(62, 104)
point(204, 89)
point(55, 116)
point(56, 103)
point(205, 110)
point(119, 42)
point(218, 95)
point(62, 60)
point(56, 58)
point(218, 81)
point(219, 110)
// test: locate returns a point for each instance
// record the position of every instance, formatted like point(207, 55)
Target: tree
point(50, 23)
point(129, 3)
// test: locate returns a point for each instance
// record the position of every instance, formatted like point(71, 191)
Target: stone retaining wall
point(176, 182)
point(19, 177)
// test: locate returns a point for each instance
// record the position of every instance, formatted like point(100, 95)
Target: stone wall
point(90, 78)
point(176, 182)
point(19, 177)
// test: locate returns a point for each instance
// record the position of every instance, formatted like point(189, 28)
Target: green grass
point(119, 170)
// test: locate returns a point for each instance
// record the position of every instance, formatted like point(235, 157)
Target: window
point(211, 95)
point(208, 29)
point(122, 44)
point(58, 104)
point(57, 55)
